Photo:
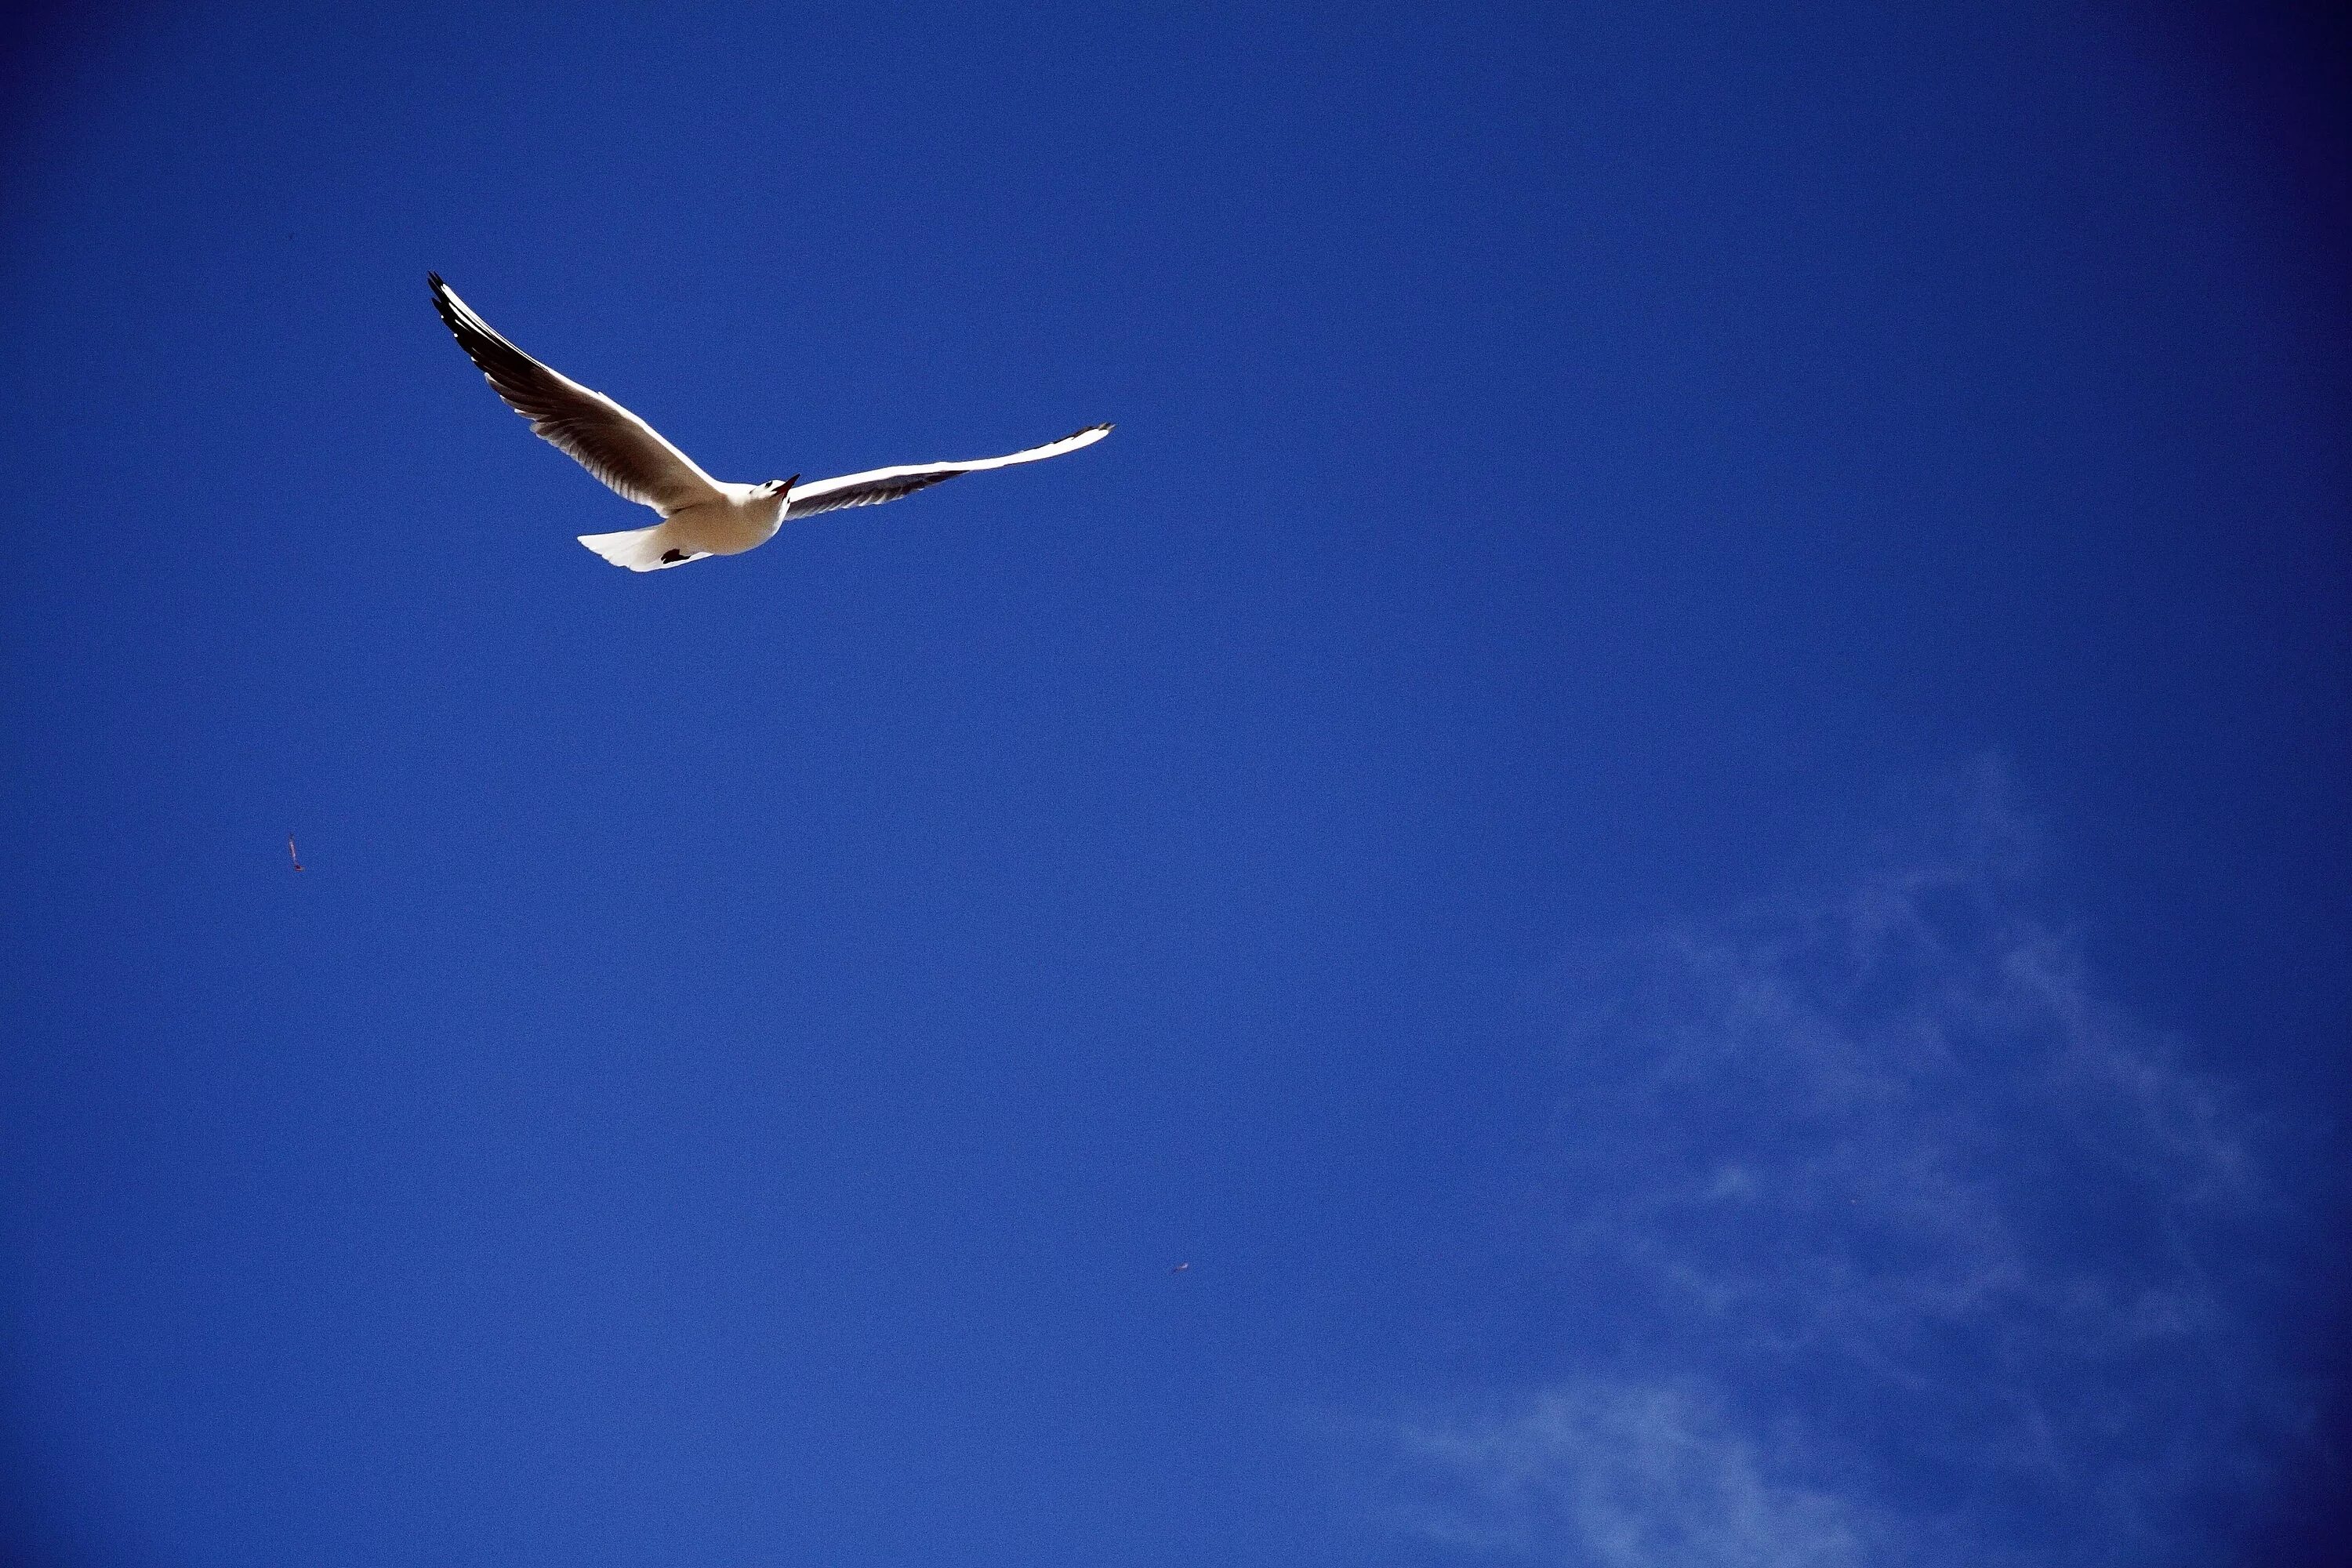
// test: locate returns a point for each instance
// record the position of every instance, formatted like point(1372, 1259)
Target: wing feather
point(605, 438)
point(877, 485)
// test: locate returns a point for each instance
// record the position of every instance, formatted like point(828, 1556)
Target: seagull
point(291, 853)
point(700, 516)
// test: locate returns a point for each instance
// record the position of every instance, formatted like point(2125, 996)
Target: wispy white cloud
point(1882, 1239)
point(1624, 1476)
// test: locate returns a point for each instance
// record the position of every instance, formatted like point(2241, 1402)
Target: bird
point(290, 854)
point(701, 517)
point(1179, 1269)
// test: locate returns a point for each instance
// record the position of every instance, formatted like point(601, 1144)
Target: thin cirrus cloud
point(1882, 1239)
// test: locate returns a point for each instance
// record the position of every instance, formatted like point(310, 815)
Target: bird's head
point(781, 487)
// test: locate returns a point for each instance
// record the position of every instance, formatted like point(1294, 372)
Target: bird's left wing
point(877, 485)
point(605, 438)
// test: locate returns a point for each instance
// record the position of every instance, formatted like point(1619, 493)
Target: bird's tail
point(651, 549)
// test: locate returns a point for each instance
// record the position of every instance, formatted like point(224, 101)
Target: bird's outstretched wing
point(608, 440)
point(877, 485)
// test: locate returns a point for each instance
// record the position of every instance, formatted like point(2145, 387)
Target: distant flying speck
point(1179, 1269)
point(290, 854)
point(701, 515)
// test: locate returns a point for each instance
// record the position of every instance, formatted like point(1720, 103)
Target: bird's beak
point(790, 483)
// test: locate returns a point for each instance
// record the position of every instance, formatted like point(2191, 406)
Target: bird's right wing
point(606, 439)
point(878, 485)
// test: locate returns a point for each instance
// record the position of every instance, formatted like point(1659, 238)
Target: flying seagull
point(700, 516)
point(291, 854)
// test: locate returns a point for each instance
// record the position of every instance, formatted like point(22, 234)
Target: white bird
point(700, 516)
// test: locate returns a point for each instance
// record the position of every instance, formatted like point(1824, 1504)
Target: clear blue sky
point(1675, 800)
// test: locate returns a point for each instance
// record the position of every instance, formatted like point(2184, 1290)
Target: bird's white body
point(702, 516)
point(740, 521)
point(740, 517)
point(745, 517)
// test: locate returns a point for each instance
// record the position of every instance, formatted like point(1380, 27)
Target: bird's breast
point(729, 527)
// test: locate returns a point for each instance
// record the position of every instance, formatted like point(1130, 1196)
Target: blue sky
point(1675, 801)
